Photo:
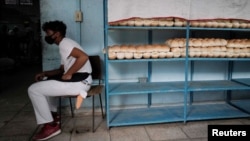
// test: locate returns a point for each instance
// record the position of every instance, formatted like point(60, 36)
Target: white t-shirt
point(65, 48)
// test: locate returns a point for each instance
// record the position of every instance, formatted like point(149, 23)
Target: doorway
point(20, 39)
point(20, 31)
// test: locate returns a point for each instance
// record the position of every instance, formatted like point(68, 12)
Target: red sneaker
point(48, 131)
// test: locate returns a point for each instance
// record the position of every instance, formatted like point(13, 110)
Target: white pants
point(41, 92)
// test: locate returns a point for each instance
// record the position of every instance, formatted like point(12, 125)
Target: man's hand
point(39, 76)
point(66, 77)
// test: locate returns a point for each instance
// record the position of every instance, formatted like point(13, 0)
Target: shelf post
point(229, 77)
point(105, 27)
point(186, 73)
point(150, 40)
point(191, 96)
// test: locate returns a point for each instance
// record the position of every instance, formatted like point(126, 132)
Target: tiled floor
point(17, 121)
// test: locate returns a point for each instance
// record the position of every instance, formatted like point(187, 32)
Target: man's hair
point(55, 26)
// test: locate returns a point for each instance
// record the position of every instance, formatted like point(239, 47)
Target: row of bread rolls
point(170, 21)
point(138, 51)
point(240, 43)
point(201, 49)
point(221, 23)
point(164, 51)
point(207, 42)
point(196, 42)
point(145, 22)
point(215, 51)
point(212, 49)
point(216, 54)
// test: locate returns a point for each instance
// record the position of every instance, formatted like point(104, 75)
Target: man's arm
point(50, 73)
point(81, 59)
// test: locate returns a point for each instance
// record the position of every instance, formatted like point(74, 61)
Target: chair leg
point(100, 97)
point(71, 107)
point(93, 113)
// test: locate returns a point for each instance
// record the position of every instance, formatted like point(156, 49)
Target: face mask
point(49, 39)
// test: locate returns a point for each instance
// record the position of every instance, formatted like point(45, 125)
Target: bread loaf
point(163, 50)
point(147, 52)
point(194, 23)
point(166, 22)
point(202, 24)
point(171, 54)
point(235, 23)
point(139, 51)
point(112, 50)
point(139, 22)
point(179, 22)
point(147, 21)
point(155, 51)
point(129, 51)
point(155, 22)
point(131, 22)
point(123, 23)
point(113, 23)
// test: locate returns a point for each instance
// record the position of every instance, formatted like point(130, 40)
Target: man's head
point(55, 31)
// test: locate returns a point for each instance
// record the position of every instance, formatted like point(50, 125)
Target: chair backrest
point(95, 62)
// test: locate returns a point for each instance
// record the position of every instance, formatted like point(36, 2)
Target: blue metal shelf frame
point(105, 27)
point(175, 28)
point(183, 113)
point(150, 40)
point(144, 88)
point(178, 59)
point(127, 88)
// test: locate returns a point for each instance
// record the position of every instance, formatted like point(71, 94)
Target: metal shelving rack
point(180, 113)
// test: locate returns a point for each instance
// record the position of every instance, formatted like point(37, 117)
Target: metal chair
point(95, 62)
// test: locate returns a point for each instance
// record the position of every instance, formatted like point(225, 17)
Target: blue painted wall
point(89, 34)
